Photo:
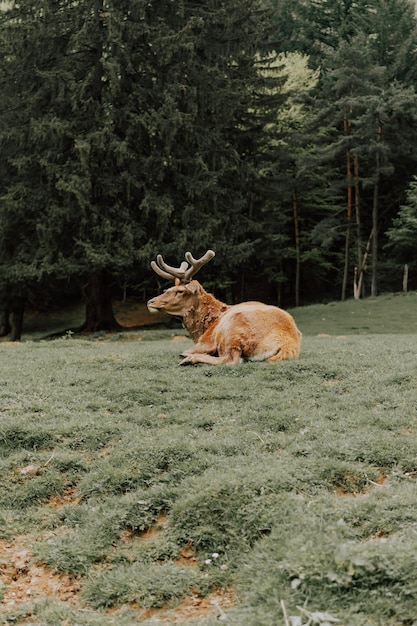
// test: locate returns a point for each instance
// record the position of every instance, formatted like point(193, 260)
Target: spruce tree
point(133, 136)
point(25, 134)
point(402, 235)
point(364, 129)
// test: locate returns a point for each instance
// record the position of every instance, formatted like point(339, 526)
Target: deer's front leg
point(201, 347)
point(210, 359)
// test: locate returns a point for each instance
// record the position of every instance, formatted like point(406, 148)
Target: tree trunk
point(98, 304)
point(359, 274)
point(405, 278)
point(359, 260)
point(18, 311)
point(5, 326)
point(297, 247)
point(374, 281)
point(349, 220)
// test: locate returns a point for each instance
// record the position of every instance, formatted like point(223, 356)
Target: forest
point(280, 133)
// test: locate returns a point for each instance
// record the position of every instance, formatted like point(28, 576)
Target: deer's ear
point(192, 287)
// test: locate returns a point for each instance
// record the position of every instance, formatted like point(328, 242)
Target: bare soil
point(25, 581)
point(131, 315)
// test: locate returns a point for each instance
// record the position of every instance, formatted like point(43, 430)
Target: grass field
point(135, 491)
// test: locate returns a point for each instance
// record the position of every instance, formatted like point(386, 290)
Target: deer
point(223, 333)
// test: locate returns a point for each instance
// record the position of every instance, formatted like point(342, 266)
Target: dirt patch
point(193, 607)
point(351, 486)
point(187, 556)
point(153, 532)
point(69, 497)
point(25, 581)
point(132, 314)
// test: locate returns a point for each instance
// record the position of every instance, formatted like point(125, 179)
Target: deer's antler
point(185, 271)
point(166, 271)
point(196, 264)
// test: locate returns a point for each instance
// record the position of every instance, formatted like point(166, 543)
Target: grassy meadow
point(136, 491)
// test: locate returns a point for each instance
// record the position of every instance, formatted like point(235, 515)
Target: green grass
point(299, 477)
point(390, 313)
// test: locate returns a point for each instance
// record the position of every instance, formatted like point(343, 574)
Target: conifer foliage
point(281, 133)
point(360, 135)
point(124, 127)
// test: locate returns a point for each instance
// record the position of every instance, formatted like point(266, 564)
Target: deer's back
point(257, 329)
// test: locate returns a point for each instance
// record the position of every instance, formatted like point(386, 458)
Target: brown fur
point(250, 331)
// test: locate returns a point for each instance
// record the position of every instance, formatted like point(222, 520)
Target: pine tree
point(134, 138)
point(402, 235)
point(24, 188)
point(283, 234)
point(364, 111)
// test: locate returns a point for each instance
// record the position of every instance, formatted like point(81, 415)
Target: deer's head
point(177, 300)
